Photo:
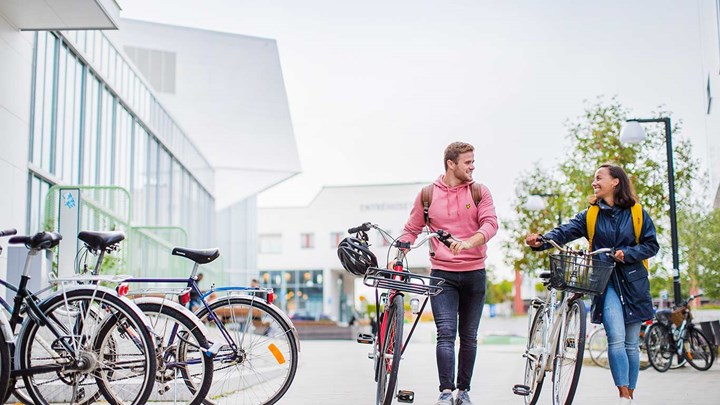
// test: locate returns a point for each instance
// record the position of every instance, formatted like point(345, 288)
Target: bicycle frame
point(555, 316)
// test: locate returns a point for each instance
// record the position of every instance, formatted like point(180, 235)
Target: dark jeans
point(457, 310)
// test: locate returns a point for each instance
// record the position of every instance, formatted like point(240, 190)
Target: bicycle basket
point(579, 273)
point(678, 316)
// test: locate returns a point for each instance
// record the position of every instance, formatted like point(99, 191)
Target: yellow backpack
point(637, 215)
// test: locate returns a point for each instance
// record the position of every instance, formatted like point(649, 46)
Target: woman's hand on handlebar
point(620, 256)
point(534, 240)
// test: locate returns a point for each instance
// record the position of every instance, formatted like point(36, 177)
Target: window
point(335, 238)
point(307, 240)
point(270, 243)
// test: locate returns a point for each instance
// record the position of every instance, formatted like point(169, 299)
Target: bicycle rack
point(403, 281)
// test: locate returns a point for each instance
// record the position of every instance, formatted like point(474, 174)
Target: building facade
point(709, 23)
point(297, 253)
point(80, 110)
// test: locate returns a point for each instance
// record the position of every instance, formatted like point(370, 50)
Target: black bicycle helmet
point(355, 255)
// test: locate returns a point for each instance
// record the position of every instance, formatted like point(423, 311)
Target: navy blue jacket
point(614, 229)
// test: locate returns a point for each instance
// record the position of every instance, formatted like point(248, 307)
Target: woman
point(626, 301)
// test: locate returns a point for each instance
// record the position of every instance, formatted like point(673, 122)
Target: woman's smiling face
point(604, 184)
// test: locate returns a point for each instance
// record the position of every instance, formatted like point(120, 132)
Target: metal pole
point(673, 208)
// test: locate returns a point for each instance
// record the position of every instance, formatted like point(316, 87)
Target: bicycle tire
point(644, 361)
point(186, 348)
point(569, 357)
point(5, 364)
point(390, 351)
point(597, 347)
point(264, 365)
point(96, 349)
point(532, 365)
point(701, 354)
point(659, 345)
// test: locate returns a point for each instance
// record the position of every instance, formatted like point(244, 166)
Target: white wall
point(710, 48)
point(16, 49)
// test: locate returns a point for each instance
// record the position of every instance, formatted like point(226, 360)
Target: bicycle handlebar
point(564, 248)
point(362, 228)
point(8, 232)
point(441, 235)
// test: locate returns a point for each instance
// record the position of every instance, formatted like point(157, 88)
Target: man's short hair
point(454, 150)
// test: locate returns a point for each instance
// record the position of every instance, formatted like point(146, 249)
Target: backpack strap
point(476, 190)
point(637, 219)
point(426, 198)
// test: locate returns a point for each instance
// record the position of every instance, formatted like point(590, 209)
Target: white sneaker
point(623, 401)
point(445, 398)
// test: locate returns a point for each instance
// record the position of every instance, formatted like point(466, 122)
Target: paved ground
point(339, 372)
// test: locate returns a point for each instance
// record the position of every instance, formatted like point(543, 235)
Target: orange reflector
point(276, 352)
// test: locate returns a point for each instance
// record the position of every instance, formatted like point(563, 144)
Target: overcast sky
point(377, 89)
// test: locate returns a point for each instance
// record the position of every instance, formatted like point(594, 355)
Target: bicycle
point(7, 339)
point(65, 350)
point(388, 345)
point(597, 346)
point(253, 346)
point(556, 334)
point(674, 335)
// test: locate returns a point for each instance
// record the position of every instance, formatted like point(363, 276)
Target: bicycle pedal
point(371, 356)
point(365, 338)
point(523, 390)
point(406, 396)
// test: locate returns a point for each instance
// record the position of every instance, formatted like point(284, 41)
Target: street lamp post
point(634, 133)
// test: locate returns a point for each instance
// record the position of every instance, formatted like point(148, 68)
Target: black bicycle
point(675, 336)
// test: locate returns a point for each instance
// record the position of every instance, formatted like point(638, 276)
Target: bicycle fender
point(174, 305)
point(5, 327)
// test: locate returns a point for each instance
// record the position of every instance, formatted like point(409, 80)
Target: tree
point(593, 140)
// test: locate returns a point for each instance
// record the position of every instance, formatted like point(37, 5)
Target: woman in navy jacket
point(626, 302)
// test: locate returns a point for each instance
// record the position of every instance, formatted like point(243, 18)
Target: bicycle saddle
point(197, 255)
point(100, 240)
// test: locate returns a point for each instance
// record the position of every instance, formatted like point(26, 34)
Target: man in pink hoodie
point(458, 308)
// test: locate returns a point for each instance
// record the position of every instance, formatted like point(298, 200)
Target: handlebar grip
point(8, 232)
point(361, 228)
point(444, 237)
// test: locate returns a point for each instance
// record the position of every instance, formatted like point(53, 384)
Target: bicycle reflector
point(270, 297)
point(122, 289)
point(184, 298)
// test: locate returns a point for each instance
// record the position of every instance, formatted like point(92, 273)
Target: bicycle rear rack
point(403, 281)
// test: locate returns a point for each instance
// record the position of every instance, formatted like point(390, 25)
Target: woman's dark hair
point(624, 196)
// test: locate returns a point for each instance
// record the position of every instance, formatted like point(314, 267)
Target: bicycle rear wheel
point(659, 346)
point(5, 365)
point(533, 378)
point(258, 364)
point(180, 347)
point(115, 362)
point(598, 346)
point(569, 356)
point(391, 335)
point(698, 350)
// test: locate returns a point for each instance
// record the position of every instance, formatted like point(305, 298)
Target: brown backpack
point(426, 197)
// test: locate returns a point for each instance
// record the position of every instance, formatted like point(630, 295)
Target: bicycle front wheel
point(258, 354)
point(598, 347)
point(535, 356)
point(391, 335)
point(698, 350)
point(659, 347)
point(569, 356)
point(76, 357)
point(5, 364)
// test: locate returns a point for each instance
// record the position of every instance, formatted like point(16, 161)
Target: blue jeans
point(457, 310)
point(623, 346)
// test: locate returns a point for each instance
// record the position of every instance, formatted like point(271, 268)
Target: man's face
point(463, 169)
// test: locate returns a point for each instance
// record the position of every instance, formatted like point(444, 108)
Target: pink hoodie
point(453, 210)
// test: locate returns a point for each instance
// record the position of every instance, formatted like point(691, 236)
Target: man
point(469, 215)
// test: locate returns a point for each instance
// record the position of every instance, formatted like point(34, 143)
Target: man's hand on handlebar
point(534, 240)
point(457, 245)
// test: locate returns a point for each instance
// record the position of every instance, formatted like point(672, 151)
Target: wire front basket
point(579, 273)
point(403, 281)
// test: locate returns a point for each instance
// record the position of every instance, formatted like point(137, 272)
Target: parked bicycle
point(238, 347)
point(69, 349)
point(597, 346)
point(556, 335)
point(675, 336)
point(388, 345)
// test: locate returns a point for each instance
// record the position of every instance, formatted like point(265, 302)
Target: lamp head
point(632, 132)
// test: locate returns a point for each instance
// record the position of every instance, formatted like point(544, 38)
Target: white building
point(154, 124)
point(297, 245)
point(709, 21)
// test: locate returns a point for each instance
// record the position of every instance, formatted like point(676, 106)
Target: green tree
point(593, 140)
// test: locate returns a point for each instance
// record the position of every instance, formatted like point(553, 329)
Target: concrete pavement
point(339, 372)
